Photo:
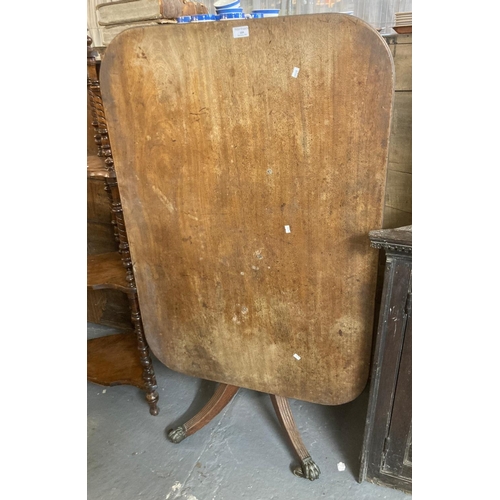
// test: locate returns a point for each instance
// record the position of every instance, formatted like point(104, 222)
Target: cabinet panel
point(397, 460)
point(387, 446)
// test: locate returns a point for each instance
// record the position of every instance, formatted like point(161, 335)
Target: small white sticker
point(287, 229)
point(240, 32)
point(104, 391)
point(296, 356)
point(295, 72)
point(341, 466)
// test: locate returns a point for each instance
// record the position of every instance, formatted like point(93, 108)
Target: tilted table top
point(251, 170)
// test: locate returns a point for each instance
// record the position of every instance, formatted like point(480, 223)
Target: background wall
point(379, 13)
point(398, 191)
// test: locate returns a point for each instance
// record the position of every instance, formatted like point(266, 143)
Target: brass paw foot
point(308, 469)
point(177, 435)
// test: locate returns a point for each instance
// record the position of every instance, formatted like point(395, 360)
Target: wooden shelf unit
point(106, 271)
point(122, 358)
point(114, 360)
point(96, 168)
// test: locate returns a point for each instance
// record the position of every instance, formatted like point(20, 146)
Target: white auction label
point(295, 72)
point(287, 229)
point(240, 32)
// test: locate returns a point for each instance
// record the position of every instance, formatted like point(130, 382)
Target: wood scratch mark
point(164, 200)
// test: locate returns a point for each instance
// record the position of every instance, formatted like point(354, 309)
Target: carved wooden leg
point(148, 373)
point(218, 401)
point(308, 468)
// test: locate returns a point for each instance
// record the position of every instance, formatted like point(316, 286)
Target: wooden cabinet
point(387, 447)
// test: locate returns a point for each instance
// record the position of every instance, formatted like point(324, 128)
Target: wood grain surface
point(219, 149)
point(398, 192)
point(106, 271)
point(113, 360)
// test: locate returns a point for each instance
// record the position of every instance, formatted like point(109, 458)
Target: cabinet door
point(386, 454)
point(397, 450)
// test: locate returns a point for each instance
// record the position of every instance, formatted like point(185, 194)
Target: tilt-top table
point(251, 162)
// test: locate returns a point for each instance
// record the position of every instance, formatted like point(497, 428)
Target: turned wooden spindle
point(148, 373)
point(111, 187)
point(100, 126)
point(93, 89)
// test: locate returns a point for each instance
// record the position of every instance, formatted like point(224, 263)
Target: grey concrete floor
point(241, 454)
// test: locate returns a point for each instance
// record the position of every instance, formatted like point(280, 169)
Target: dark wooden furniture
point(386, 456)
point(121, 358)
point(252, 164)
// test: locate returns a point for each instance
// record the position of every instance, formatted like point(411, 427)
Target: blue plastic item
point(233, 15)
point(228, 11)
point(266, 11)
point(226, 4)
point(202, 18)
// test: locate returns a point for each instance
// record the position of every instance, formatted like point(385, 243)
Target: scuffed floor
point(241, 454)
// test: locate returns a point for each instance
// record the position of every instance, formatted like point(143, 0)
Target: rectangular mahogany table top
point(251, 170)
